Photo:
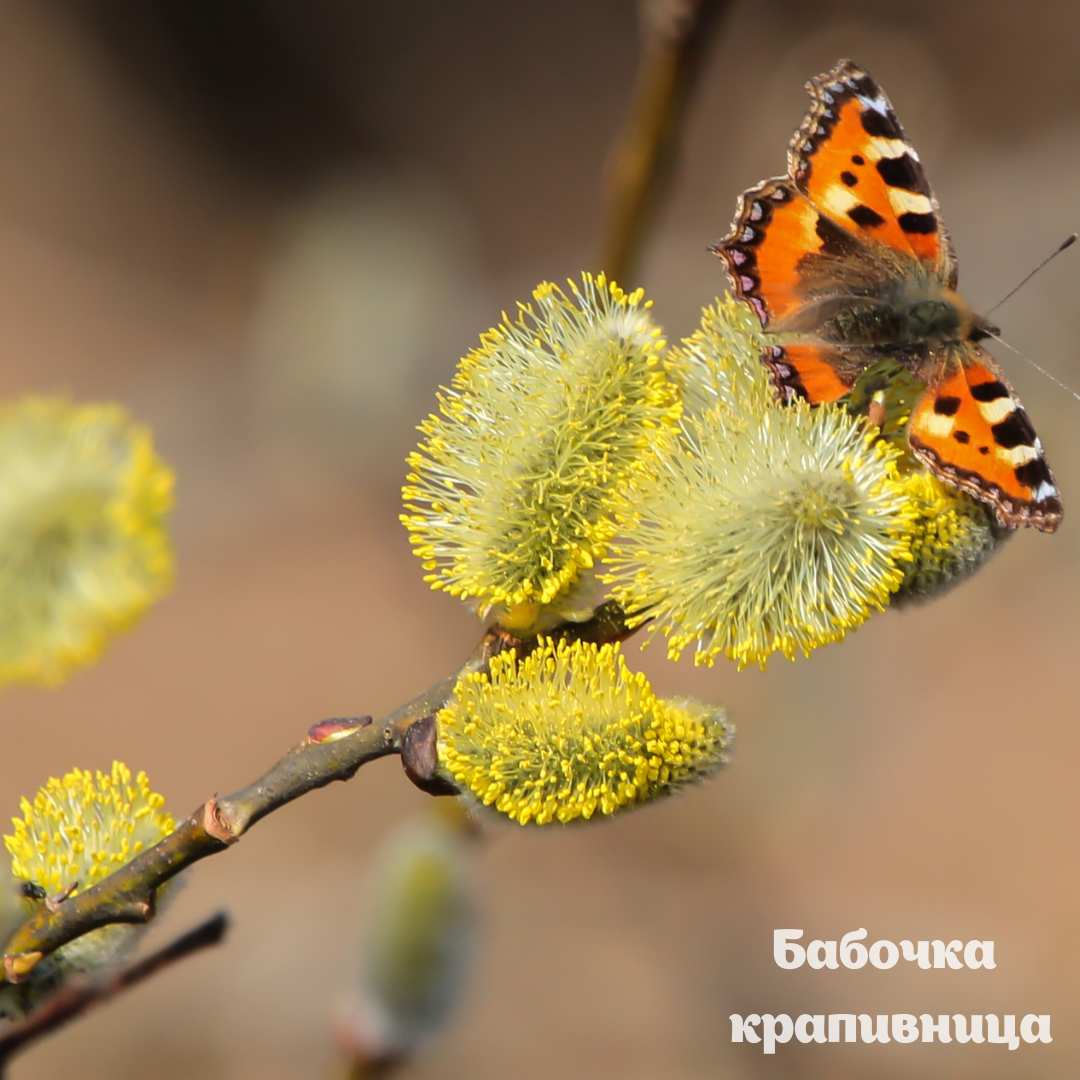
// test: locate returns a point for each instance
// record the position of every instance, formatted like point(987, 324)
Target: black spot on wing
point(903, 172)
point(961, 436)
point(918, 223)
point(858, 159)
point(984, 449)
point(866, 86)
point(1015, 430)
point(946, 406)
point(835, 241)
point(1033, 473)
point(881, 125)
point(989, 391)
point(864, 217)
point(849, 178)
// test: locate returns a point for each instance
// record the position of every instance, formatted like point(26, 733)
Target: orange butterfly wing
point(854, 183)
point(815, 373)
point(775, 231)
point(855, 203)
point(853, 161)
point(971, 430)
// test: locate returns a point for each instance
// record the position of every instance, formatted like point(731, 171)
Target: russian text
point(768, 1030)
point(852, 953)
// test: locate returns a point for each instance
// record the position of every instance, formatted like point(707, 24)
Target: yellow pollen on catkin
point(770, 528)
point(569, 732)
point(952, 534)
point(544, 436)
point(74, 832)
point(80, 828)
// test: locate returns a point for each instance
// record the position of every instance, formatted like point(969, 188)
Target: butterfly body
point(846, 260)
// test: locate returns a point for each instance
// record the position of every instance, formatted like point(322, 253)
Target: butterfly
point(847, 257)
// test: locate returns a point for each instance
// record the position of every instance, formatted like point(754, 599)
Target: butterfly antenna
point(1066, 243)
point(1041, 370)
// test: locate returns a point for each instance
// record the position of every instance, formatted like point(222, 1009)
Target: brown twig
point(77, 998)
point(675, 34)
point(333, 750)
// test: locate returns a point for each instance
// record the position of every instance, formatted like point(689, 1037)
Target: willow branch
point(77, 998)
point(333, 750)
point(675, 35)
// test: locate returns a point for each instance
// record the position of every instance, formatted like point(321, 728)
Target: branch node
point(216, 824)
point(52, 903)
point(497, 640)
point(17, 967)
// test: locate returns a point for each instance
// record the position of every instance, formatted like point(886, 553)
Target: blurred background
point(271, 228)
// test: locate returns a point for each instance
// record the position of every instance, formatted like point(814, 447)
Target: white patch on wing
point(908, 201)
point(1045, 490)
point(878, 104)
point(838, 200)
point(993, 412)
point(881, 147)
point(1018, 455)
point(938, 425)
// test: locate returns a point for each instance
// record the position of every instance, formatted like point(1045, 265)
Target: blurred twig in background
point(675, 35)
point(77, 998)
